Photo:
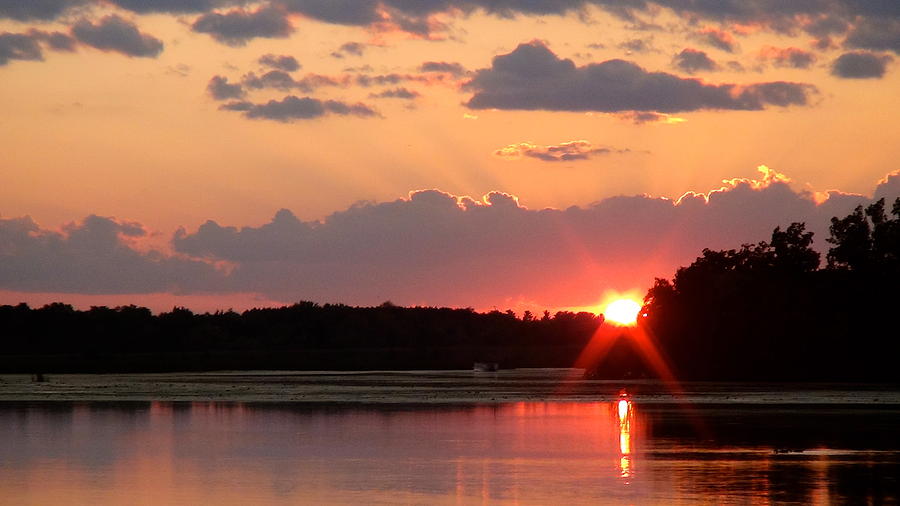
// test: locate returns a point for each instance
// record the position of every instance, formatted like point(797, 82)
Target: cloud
point(787, 57)
point(717, 38)
point(238, 26)
point(35, 10)
point(430, 248)
point(693, 60)
point(451, 68)
point(94, 256)
point(860, 65)
point(279, 80)
point(637, 45)
point(563, 152)
point(220, 89)
point(342, 12)
point(28, 46)
point(401, 93)
point(648, 117)
point(533, 78)
point(170, 6)
point(438, 248)
point(293, 108)
point(877, 34)
point(350, 48)
point(285, 63)
point(19, 46)
point(113, 33)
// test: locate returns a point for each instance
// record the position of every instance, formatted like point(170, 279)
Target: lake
point(442, 437)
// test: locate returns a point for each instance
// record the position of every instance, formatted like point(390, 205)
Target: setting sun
point(622, 311)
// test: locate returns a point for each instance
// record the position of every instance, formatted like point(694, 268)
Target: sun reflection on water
point(625, 438)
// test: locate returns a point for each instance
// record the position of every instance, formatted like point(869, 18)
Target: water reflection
point(625, 420)
point(526, 452)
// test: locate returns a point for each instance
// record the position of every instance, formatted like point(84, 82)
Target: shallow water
point(738, 444)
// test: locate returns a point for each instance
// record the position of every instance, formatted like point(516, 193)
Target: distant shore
point(422, 387)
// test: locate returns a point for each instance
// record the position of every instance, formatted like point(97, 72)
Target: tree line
point(771, 311)
point(305, 335)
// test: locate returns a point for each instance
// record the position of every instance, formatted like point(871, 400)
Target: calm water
point(530, 452)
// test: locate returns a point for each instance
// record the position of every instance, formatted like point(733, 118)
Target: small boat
point(486, 367)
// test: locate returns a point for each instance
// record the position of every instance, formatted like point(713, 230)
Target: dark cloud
point(430, 248)
point(220, 89)
point(238, 26)
point(860, 65)
point(693, 60)
point(717, 38)
point(93, 256)
point(171, 6)
point(286, 63)
point(19, 46)
point(637, 46)
point(878, 34)
point(533, 78)
point(293, 108)
point(452, 68)
point(35, 10)
point(113, 33)
point(350, 48)
point(401, 92)
point(56, 41)
point(27, 46)
point(787, 57)
point(342, 12)
point(366, 80)
point(437, 248)
point(276, 79)
point(562, 152)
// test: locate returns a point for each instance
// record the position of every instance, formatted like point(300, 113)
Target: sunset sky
point(521, 154)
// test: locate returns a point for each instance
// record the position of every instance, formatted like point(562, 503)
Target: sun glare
point(622, 311)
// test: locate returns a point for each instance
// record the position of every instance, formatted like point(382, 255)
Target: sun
point(622, 312)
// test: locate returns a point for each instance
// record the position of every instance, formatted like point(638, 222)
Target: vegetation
point(306, 335)
point(768, 312)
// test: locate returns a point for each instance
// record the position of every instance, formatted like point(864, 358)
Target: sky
point(523, 154)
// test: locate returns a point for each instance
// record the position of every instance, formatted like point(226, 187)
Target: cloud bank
point(429, 248)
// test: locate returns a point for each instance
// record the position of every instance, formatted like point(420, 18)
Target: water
point(739, 444)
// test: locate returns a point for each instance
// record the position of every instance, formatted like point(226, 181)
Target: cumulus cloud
point(563, 152)
point(451, 68)
point(279, 80)
point(113, 33)
point(284, 63)
point(349, 48)
point(717, 38)
point(28, 46)
point(170, 6)
point(35, 10)
point(533, 78)
point(93, 256)
point(19, 46)
point(402, 93)
point(429, 248)
point(693, 60)
point(860, 65)
point(220, 89)
point(787, 57)
point(342, 12)
point(637, 46)
point(438, 248)
point(238, 26)
point(649, 117)
point(293, 108)
point(878, 34)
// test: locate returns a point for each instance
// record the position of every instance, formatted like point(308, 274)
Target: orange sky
point(123, 124)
